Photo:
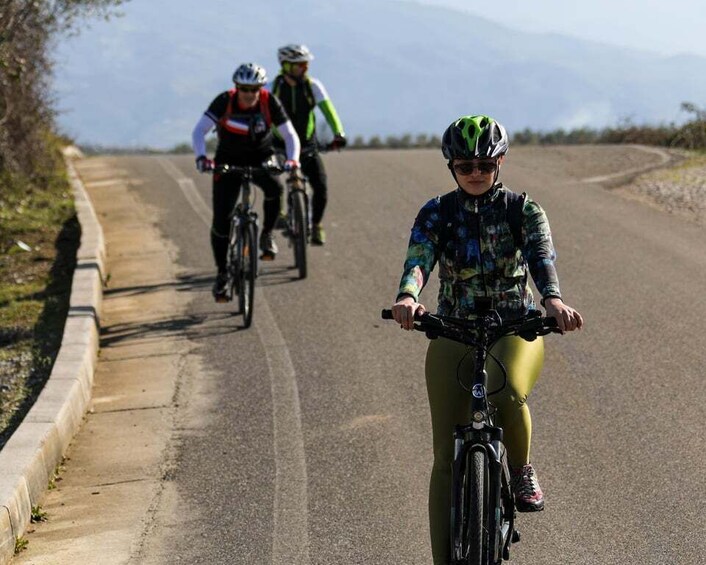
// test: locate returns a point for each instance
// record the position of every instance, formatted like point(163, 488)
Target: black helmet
point(474, 137)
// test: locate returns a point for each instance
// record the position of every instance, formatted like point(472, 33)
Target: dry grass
point(39, 236)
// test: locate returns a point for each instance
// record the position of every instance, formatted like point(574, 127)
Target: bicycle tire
point(507, 510)
point(247, 272)
point(475, 505)
point(299, 232)
point(232, 266)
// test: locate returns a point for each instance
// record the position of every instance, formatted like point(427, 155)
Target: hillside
point(391, 67)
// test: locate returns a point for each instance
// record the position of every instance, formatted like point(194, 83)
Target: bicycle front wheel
point(299, 231)
point(247, 272)
point(473, 504)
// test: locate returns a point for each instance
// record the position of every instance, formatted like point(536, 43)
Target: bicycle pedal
point(222, 299)
point(267, 257)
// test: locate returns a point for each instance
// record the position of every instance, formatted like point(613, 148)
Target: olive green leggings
point(450, 405)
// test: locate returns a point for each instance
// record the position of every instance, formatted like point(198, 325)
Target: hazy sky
point(667, 27)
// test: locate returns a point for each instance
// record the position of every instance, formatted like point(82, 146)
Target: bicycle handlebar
point(268, 167)
point(459, 329)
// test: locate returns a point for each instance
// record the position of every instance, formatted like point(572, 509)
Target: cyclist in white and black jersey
point(243, 118)
point(300, 94)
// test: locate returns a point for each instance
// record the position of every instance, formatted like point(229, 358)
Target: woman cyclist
point(469, 232)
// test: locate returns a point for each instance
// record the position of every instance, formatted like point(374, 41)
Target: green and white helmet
point(294, 53)
point(474, 137)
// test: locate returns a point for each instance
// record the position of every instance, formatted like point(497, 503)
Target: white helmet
point(294, 53)
point(250, 74)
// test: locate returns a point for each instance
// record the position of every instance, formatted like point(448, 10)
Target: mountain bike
point(241, 259)
point(483, 505)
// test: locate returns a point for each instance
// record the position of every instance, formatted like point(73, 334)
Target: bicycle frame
point(242, 241)
point(241, 216)
point(481, 435)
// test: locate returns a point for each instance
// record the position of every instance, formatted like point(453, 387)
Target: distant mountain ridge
point(391, 67)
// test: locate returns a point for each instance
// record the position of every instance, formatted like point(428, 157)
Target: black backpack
point(448, 209)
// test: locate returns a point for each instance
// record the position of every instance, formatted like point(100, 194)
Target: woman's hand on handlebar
point(404, 310)
point(567, 319)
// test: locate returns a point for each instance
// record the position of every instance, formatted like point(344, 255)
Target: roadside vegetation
point(39, 232)
point(690, 135)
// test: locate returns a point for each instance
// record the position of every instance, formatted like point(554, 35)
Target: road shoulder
point(116, 468)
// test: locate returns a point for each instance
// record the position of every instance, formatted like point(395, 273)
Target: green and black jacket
point(299, 102)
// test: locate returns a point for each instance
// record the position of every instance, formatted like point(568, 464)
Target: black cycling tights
point(313, 168)
point(226, 189)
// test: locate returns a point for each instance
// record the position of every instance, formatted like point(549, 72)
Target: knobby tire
point(475, 507)
point(232, 265)
point(300, 229)
point(248, 272)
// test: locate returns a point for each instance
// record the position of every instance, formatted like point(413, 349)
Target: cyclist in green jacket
point(479, 256)
point(300, 94)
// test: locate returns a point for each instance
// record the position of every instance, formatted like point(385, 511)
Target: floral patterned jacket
point(480, 258)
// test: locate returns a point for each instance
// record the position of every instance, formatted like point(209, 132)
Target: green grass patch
point(38, 515)
point(20, 545)
point(39, 236)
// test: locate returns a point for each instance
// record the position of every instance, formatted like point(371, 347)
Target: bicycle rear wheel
point(299, 231)
point(247, 272)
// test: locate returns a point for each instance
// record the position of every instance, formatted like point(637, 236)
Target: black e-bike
point(483, 505)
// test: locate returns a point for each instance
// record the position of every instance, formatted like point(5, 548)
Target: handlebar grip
point(387, 315)
point(550, 326)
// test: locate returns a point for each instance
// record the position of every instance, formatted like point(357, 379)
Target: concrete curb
point(28, 460)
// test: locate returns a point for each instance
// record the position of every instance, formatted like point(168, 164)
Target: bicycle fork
point(498, 518)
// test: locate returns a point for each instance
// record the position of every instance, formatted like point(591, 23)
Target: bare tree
point(28, 31)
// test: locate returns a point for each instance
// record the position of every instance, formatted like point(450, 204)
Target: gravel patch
point(678, 189)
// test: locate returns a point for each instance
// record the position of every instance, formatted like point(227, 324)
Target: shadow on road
point(188, 327)
point(186, 283)
point(192, 327)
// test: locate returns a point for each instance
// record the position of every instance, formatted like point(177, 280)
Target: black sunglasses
point(484, 167)
point(245, 88)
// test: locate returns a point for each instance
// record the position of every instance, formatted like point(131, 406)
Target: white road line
point(290, 539)
point(663, 155)
point(102, 183)
point(189, 189)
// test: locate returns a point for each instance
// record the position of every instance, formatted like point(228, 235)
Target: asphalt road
point(306, 440)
